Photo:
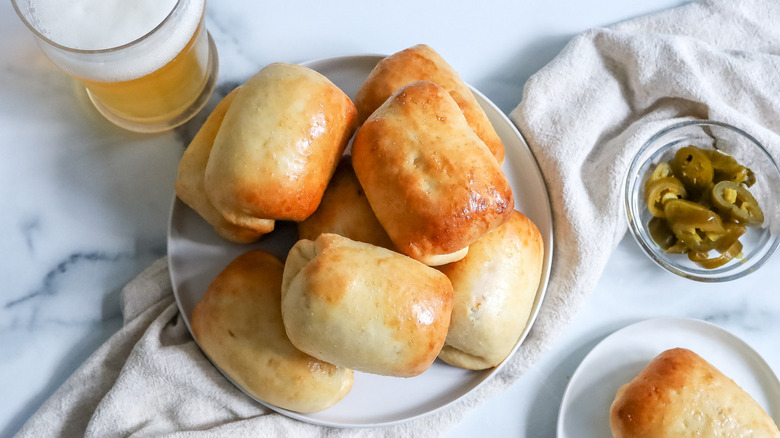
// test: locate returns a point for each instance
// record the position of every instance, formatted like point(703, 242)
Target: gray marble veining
point(85, 205)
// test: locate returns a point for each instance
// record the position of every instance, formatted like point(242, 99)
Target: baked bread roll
point(494, 288)
point(421, 63)
point(364, 307)
point(278, 145)
point(431, 182)
point(190, 181)
point(344, 210)
point(679, 394)
point(238, 324)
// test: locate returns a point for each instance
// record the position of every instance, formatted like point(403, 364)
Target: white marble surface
point(85, 205)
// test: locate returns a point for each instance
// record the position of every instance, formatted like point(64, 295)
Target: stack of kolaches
point(410, 248)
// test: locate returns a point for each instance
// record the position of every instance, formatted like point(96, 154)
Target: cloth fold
point(584, 116)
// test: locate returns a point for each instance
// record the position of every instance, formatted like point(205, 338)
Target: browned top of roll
point(422, 63)
point(432, 183)
point(278, 145)
point(679, 394)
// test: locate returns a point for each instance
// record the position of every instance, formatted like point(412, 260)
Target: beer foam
point(106, 24)
point(98, 24)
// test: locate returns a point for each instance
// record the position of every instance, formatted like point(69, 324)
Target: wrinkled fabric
point(587, 113)
point(584, 116)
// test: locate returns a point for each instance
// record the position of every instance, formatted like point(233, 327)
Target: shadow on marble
point(517, 68)
point(524, 62)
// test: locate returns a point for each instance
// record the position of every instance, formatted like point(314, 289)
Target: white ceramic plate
point(622, 355)
point(196, 255)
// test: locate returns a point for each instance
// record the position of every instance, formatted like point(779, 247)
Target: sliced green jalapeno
point(692, 166)
point(735, 202)
point(726, 168)
point(661, 233)
point(661, 190)
point(678, 248)
point(733, 232)
point(703, 259)
point(696, 226)
point(662, 170)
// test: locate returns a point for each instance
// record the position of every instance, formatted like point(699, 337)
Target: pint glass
point(157, 79)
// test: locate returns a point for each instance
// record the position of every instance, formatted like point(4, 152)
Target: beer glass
point(156, 81)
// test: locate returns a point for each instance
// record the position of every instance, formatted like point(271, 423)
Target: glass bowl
point(759, 242)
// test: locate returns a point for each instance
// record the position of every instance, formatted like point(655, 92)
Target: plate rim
point(536, 305)
point(709, 326)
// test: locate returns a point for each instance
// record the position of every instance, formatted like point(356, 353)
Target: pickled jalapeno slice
point(678, 248)
point(737, 203)
point(661, 233)
point(704, 198)
point(692, 166)
point(662, 170)
point(733, 232)
point(661, 190)
point(696, 226)
point(706, 262)
point(726, 168)
point(680, 212)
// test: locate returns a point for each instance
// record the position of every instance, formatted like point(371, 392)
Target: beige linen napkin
point(584, 116)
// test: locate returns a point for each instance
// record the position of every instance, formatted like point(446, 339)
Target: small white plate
point(196, 255)
point(622, 355)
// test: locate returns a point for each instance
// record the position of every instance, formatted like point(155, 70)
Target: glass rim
point(129, 44)
point(685, 123)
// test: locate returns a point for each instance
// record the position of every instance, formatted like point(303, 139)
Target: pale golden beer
point(161, 95)
point(152, 82)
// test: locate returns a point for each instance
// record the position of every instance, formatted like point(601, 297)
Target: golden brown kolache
point(678, 395)
point(432, 183)
point(494, 289)
point(238, 324)
point(422, 63)
point(364, 307)
point(278, 145)
point(190, 185)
